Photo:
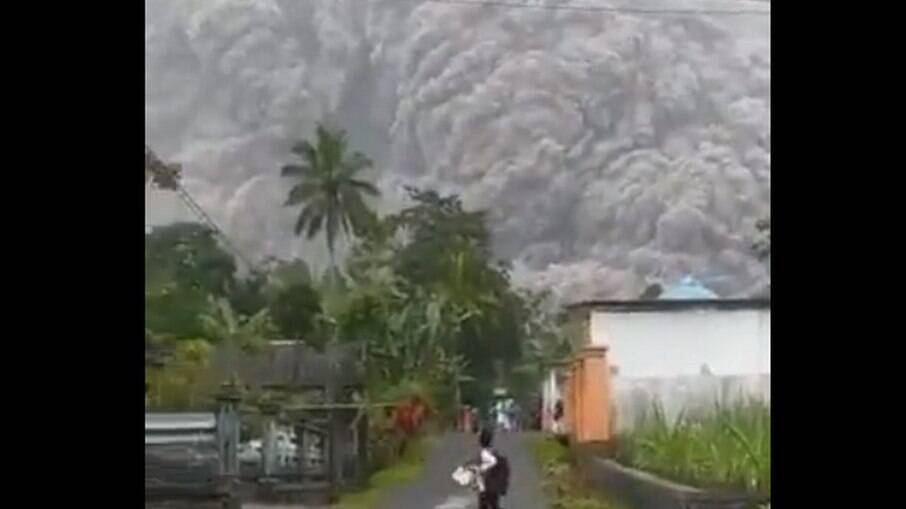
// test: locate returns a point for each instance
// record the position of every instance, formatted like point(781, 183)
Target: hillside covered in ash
point(610, 149)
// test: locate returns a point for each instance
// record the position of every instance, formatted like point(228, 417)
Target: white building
point(687, 350)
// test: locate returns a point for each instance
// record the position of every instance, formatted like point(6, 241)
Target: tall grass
point(726, 447)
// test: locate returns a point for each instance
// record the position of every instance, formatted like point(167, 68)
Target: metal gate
point(192, 456)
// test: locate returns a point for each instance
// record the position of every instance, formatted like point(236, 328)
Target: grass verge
point(406, 469)
point(727, 447)
point(561, 484)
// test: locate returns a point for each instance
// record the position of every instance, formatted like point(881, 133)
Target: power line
point(603, 8)
point(206, 219)
point(167, 176)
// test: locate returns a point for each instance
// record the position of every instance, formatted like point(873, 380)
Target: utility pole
point(169, 177)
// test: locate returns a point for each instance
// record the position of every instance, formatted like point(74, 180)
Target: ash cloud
point(611, 149)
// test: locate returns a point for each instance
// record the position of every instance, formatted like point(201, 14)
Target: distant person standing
point(558, 417)
point(515, 416)
point(500, 415)
point(510, 411)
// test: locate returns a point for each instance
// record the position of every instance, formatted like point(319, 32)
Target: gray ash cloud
point(611, 149)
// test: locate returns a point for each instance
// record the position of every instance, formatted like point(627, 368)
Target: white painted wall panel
point(675, 343)
point(659, 355)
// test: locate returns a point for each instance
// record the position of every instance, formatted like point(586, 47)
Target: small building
point(686, 350)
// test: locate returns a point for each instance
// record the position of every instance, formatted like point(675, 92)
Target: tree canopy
point(183, 266)
point(420, 287)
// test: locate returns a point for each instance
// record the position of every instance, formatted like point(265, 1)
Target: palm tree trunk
point(333, 267)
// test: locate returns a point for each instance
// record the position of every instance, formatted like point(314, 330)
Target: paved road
point(436, 490)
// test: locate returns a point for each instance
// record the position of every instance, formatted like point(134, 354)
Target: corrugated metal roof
point(180, 438)
point(177, 422)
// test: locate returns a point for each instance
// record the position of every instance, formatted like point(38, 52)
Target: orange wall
point(587, 398)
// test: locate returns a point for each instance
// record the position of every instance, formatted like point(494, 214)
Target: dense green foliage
point(420, 287)
point(437, 313)
point(726, 447)
point(295, 310)
point(432, 303)
point(183, 266)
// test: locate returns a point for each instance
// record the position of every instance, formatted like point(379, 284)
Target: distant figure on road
point(515, 416)
point(500, 415)
point(558, 417)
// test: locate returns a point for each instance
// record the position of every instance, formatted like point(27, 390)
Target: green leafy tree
point(295, 312)
point(448, 253)
point(250, 295)
point(186, 381)
point(417, 340)
point(436, 253)
point(440, 233)
point(282, 274)
point(328, 188)
point(188, 254)
point(223, 326)
point(183, 265)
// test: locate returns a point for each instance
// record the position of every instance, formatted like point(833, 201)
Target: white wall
point(549, 394)
point(659, 356)
point(673, 343)
point(632, 396)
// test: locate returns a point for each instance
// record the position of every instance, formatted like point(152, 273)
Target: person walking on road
point(489, 475)
point(493, 473)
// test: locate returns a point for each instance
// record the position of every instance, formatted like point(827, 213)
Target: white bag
point(463, 476)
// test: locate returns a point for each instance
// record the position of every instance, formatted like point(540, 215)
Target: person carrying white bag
point(489, 476)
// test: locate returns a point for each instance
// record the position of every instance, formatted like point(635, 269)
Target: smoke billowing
point(610, 149)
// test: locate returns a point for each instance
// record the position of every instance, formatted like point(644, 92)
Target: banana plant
point(223, 325)
point(236, 332)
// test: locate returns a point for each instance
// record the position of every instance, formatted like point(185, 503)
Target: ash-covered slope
point(610, 148)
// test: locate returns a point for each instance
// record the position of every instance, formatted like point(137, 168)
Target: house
point(686, 350)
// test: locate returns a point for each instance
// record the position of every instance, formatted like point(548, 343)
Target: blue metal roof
point(688, 288)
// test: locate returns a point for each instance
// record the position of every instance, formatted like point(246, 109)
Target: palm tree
point(327, 188)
